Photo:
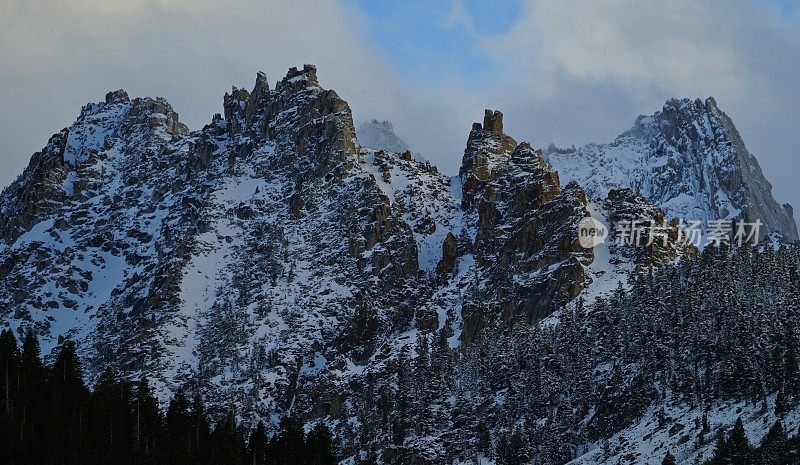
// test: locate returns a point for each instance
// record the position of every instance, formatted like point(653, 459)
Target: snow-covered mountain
point(281, 262)
point(380, 135)
point(687, 158)
point(269, 246)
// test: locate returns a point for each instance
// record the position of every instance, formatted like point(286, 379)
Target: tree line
point(735, 449)
point(49, 416)
point(721, 327)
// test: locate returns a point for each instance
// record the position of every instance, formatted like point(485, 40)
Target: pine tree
point(9, 365)
point(110, 420)
point(10, 443)
point(503, 453)
point(199, 442)
point(227, 443)
point(257, 445)
point(148, 423)
point(320, 446)
point(288, 446)
point(179, 429)
point(721, 453)
point(774, 448)
point(68, 395)
point(740, 452)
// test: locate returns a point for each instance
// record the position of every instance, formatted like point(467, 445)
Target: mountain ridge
point(270, 261)
point(687, 158)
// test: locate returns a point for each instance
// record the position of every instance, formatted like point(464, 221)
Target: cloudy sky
point(568, 72)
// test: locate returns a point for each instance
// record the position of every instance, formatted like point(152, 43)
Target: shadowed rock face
point(526, 226)
point(688, 159)
point(272, 260)
point(658, 242)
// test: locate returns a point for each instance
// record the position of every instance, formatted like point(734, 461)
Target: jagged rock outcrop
point(488, 150)
point(641, 233)
point(274, 262)
point(166, 252)
point(525, 226)
point(449, 255)
point(688, 159)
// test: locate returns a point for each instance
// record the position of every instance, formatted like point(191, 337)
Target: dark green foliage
point(320, 446)
point(775, 449)
point(290, 442)
point(48, 416)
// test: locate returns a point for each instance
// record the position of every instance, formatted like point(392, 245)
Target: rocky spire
point(493, 122)
point(488, 150)
point(297, 79)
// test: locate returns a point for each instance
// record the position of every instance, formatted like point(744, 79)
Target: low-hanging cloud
point(567, 72)
point(56, 56)
point(582, 70)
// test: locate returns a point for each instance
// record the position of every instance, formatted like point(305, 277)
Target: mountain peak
point(689, 159)
point(298, 79)
point(488, 148)
point(493, 122)
point(380, 135)
point(117, 96)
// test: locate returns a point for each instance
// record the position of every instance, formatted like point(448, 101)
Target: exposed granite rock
point(449, 255)
point(648, 239)
point(688, 159)
point(526, 228)
point(487, 153)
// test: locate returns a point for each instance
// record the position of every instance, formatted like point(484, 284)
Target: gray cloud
point(568, 72)
point(57, 56)
point(584, 69)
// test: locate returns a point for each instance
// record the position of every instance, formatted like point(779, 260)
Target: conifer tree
point(288, 446)
point(320, 446)
point(148, 423)
point(774, 448)
point(179, 429)
point(257, 445)
point(739, 450)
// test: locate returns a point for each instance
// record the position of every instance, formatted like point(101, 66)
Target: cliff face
point(269, 252)
point(274, 261)
point(176, 253)
point(689, 159)
point(525, 224)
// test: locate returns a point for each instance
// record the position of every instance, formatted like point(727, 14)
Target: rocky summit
point(277, 261)
point(689, 159)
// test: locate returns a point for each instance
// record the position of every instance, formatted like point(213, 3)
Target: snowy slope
point(274, 262)
point(688, 159)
